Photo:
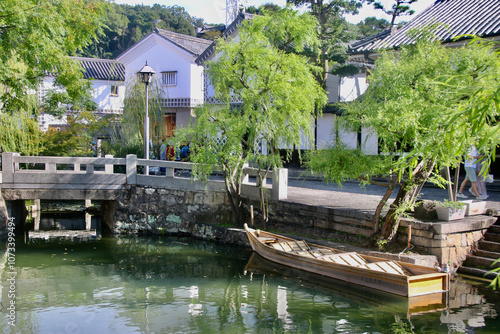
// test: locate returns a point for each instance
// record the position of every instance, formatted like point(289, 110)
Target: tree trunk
point(381, 205)
point(234, 196)
point(407, 193)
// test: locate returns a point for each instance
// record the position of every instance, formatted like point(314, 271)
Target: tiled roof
point(102, 69)
point(193, 45)
point(227, 32)
point(457, 17)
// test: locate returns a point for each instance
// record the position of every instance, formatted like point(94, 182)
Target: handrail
point(65, 172)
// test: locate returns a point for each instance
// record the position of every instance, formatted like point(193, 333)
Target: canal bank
point(313, 209)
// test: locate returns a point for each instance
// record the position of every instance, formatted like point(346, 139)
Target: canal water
point(181, 285)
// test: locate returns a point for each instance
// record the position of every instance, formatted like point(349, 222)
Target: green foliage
point(126, 25)
point(496, 281)
point(341, 163)
point(19, 132)
point(417, 98)
point(76, 139)
point(262, 9)
point(278, 95)
point(427, 104)
point(450, 204)
point(371, 26)
point(36, 38)
point(334, 32)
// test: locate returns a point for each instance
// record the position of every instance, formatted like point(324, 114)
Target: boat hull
point(425, 281)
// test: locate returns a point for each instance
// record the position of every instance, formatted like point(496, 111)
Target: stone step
point(494, 228)
point(476, 272)
point(481, 262)
point(489, 246)
point(495, 237)
point(489, 255)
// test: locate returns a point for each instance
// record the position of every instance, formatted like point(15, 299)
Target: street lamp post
point(146, 76)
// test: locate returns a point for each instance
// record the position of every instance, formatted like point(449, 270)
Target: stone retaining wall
point(450, 241)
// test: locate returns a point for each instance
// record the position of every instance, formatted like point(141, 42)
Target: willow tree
point(36, 38)
point(419, 105)
point(134, 111)
point(275, 96)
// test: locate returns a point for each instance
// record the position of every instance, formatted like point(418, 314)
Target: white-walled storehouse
point(172, 56)
point(108, 89)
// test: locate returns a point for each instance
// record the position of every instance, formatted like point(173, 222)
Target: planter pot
point(448, 214)
point(474, 207)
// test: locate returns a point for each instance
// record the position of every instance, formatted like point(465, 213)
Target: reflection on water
point(181, 285)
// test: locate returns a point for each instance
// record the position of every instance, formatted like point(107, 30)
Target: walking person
point(470, 175)
point(481, 181)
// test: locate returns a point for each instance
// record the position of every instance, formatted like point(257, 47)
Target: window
point(169, 78)
point(114, 90)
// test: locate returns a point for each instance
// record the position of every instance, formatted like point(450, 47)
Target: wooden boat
point(398, 305)
point(400, 278)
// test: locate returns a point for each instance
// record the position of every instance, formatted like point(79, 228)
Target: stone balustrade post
point(108, 168)
point(280, 184)
point(7, 167)
point(131, 167)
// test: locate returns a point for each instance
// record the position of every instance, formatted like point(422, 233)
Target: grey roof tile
point(193, 45)
point(456, 18)
point(102, 69)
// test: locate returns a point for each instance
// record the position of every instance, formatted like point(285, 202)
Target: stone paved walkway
point(351, 196)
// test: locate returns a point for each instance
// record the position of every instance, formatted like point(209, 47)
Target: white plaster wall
point(325, 130)
point(102, 95)
point(326, 135)
point(352, 87)
point(163, 56)
point(197, 84)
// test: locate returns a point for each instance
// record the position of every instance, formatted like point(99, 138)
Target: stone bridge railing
point(60, 175)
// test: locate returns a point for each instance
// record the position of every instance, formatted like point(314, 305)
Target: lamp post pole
point(146, 76)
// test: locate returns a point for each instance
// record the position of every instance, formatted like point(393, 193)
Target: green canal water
point(182, 285)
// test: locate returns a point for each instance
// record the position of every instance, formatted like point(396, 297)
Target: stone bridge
point(106, 179)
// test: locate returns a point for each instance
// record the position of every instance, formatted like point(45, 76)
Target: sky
point(213, 11)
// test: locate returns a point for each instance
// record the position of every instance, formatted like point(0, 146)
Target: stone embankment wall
point(163, 211)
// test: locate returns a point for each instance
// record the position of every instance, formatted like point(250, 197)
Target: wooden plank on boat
point(303, 245)
point(352, 259)
point(375, 266)
point(267, 240)
point(286, 247)
point(277, 245)
point(305, 253)
point(399, 268)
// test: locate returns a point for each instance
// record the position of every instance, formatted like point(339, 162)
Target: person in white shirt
point(471, 175)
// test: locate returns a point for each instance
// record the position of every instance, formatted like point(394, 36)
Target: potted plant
point(450, 210)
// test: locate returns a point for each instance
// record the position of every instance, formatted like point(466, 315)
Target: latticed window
point(169, 78)
point(114, 90)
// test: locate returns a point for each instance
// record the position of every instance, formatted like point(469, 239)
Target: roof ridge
point(180, 35)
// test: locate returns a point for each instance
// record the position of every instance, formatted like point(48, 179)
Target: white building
point(172, 56)
point(108, 90)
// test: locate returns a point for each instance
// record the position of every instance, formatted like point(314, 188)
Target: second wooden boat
point(400, 278)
